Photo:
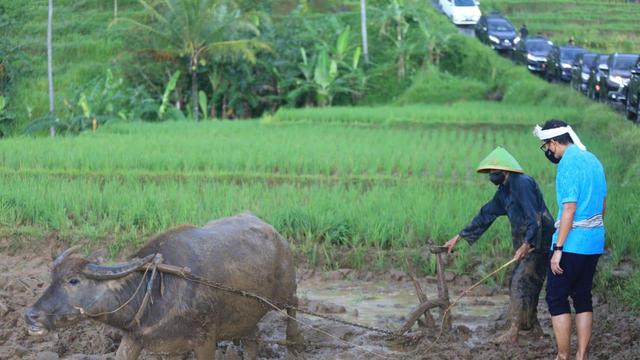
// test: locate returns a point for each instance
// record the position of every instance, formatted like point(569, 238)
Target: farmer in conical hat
point(532, 226)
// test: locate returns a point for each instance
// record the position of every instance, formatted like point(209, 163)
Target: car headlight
point(617, 79)
point(585, 76)
point(565, 66)
point(516, 40)
point(494, 39)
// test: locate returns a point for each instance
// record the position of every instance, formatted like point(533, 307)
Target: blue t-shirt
point(580, 179)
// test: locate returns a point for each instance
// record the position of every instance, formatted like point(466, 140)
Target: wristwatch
point(556, 247)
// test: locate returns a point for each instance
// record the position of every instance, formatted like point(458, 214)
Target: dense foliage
point(342, 182)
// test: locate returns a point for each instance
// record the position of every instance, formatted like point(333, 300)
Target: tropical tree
point(331, 71)
point(363, 29)
point(200, 30)
point(52, 129)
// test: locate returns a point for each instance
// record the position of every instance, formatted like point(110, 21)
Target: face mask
point(497, 178)
point(549, 154)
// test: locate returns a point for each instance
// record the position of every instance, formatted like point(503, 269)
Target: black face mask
point(549, 154)
point(497, 178)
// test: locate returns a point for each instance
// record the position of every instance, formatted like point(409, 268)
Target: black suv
point(496, 31)
point(581, 71)
point(633, 94)
point(593, 84)
point(533, 52)
point(616, 74)
point(560, 62)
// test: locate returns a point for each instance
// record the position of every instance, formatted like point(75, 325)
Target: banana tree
point(395, 24)
point(329, 73)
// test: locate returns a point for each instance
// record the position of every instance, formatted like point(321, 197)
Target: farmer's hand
point(452, 243)
point(522, 251)
point(555, 262)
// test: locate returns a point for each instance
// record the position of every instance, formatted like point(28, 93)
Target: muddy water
point(376, 303)
point(386, 305)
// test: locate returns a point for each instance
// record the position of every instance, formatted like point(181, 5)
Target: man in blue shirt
point(519, 198)
point(578, 241)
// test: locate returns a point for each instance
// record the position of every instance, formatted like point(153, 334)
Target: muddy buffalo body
point(243, 252)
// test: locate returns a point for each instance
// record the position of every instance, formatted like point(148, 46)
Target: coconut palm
point(199, 29)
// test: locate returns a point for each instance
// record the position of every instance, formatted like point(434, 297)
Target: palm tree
point(197, 29)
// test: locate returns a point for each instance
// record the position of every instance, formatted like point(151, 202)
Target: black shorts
point(575, 281)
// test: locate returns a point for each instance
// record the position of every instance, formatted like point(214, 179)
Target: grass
point(347, 186)
point(405, 143)
point(328, 179)
point(604, 26)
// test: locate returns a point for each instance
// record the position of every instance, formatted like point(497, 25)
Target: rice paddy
point(356, 178)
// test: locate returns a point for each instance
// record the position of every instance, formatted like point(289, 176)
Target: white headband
point(551, 133)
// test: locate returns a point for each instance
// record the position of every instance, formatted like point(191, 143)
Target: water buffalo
point(241, 251)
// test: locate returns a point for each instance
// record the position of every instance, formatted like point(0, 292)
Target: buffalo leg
point(128, 349)
point(250, 347)
point(207, 350)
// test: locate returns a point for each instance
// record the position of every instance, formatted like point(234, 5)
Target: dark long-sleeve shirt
point(521, 200)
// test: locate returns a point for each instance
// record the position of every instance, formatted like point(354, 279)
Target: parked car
point(461, 12)
point(616, 74)
point(496, 31)
point(633, 94)
point(593, 84)
point(560, 62)
point(533, 51)
point(581, 70)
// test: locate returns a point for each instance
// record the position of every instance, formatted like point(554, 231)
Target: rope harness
point(156, 266)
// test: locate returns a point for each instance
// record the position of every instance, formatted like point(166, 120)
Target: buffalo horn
point(64, 254)
point(115, 271)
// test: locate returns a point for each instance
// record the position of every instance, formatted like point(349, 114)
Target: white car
point(461, 12)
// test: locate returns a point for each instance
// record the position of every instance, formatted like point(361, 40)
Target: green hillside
point(352, 185)
point(84, 47)
point(604, 26)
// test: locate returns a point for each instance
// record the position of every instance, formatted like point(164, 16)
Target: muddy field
point(382, 301)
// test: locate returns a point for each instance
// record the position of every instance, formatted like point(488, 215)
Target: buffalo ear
point(115, 271)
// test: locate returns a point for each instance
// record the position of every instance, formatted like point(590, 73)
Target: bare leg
point(584, 322)
point(562, 330)
point(128, 349)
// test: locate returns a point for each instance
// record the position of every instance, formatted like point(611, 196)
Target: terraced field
point(606, 26)
point(365, 178)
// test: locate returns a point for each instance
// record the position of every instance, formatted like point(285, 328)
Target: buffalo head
point(78, 287)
